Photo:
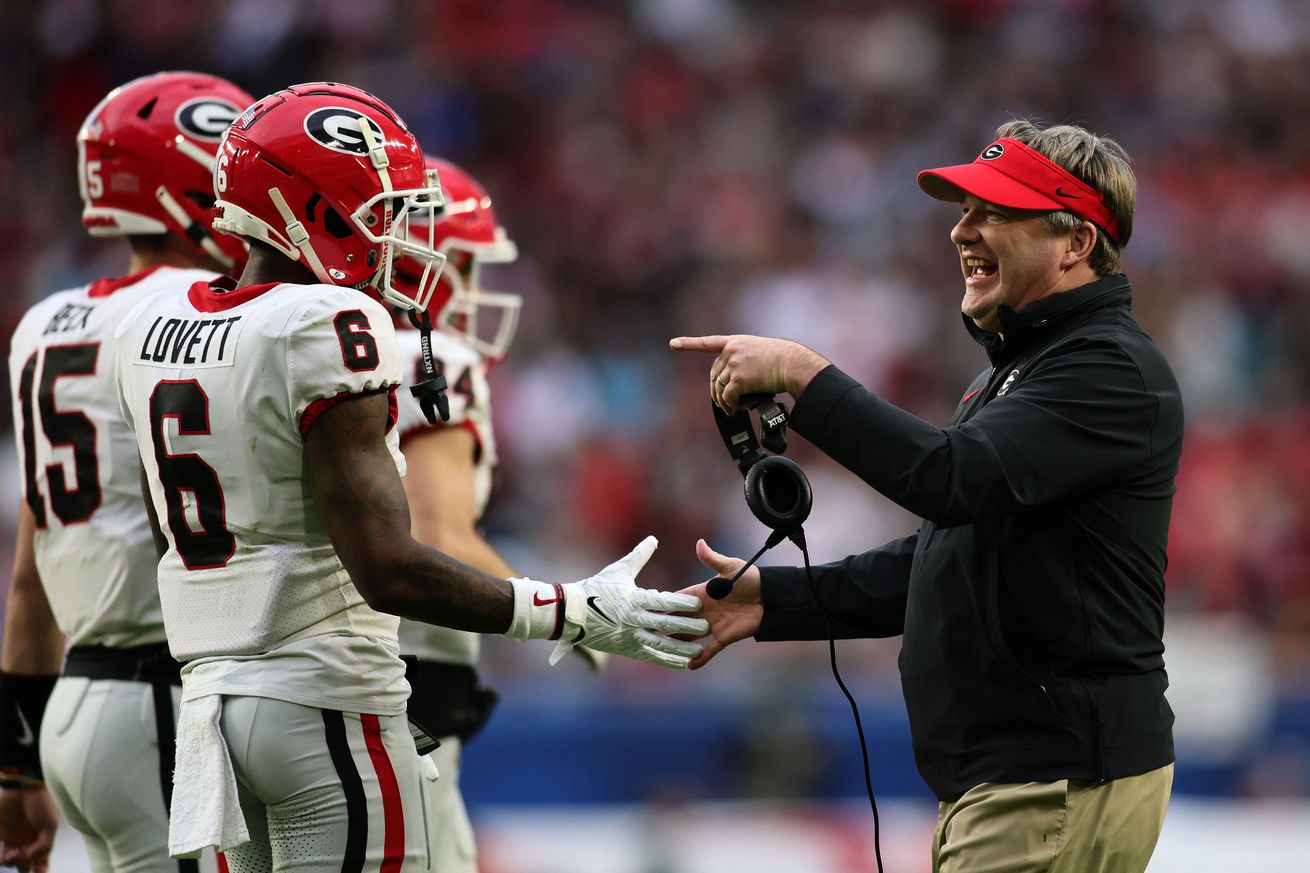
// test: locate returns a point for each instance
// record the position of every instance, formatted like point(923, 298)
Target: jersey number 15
point(64, 429)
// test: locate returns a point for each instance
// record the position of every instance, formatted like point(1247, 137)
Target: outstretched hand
point(614, 615)
point(746, 364)
point(736, 616)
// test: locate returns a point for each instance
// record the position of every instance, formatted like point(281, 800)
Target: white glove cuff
point(538, 610)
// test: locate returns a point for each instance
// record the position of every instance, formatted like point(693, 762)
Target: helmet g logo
point(337, 128)
point(206, 118)
point(992, 152)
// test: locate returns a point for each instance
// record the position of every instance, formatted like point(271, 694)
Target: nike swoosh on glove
point(612, 614)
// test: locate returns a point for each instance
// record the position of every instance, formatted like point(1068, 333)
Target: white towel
point(205, 812)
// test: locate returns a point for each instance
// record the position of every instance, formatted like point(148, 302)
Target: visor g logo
point(206, 118)
point(992, 152)
point(337, 128)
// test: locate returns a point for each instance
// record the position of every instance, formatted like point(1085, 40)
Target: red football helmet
point(146, 158)
point(469, 235)
point(329, 175)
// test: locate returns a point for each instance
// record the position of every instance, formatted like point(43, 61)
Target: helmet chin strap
point(431, 392)
point(194, 230)
point(194, 152)
point(299, 237)
point(377, 156)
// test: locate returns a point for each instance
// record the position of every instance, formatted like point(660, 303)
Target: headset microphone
point(777, 491)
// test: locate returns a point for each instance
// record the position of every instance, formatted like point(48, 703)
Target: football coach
point(1031, 600)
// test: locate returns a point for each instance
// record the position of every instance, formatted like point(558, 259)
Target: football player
point(85, 560)
point(449, 483)
point(265, 414)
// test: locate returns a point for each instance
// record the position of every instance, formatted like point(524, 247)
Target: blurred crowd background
point(674, 167)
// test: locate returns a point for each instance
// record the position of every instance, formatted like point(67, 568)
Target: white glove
point(610, 613)
point(596, 660)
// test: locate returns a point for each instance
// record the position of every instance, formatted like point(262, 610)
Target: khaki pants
point(1053, 827)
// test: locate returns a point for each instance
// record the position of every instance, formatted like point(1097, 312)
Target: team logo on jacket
point(206, 118)
point(337, 128)
point(1009, 380)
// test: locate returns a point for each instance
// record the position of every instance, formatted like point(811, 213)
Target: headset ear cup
point(778, 493)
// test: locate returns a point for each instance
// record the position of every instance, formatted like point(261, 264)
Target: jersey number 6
point(359, 351)
point(191, 487)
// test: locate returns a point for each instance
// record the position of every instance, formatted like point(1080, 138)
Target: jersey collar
point(105, 287)
point(222, 293)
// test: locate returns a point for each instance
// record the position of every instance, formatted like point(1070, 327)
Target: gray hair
point(1100, 162)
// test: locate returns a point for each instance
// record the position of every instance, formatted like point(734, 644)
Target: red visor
point(1009, 173)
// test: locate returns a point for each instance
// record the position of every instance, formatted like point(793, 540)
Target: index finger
point(713, 344)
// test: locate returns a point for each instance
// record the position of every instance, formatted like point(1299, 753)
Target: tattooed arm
point(362, 502)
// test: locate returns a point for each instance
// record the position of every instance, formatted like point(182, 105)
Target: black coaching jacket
point(1031, 601)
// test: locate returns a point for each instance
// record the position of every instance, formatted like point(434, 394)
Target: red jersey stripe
point(323, 404)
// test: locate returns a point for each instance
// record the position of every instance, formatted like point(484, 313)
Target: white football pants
point(107, 752)
point(449, 829)
point(324, 791)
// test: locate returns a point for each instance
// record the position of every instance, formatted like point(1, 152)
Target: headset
point(777, 491)
point(779, 495)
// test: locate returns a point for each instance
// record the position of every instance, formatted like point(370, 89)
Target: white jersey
point(82, 475)
point(470, 407)
point(221, 388)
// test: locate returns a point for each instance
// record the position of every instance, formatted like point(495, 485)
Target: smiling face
point(1010, 256)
